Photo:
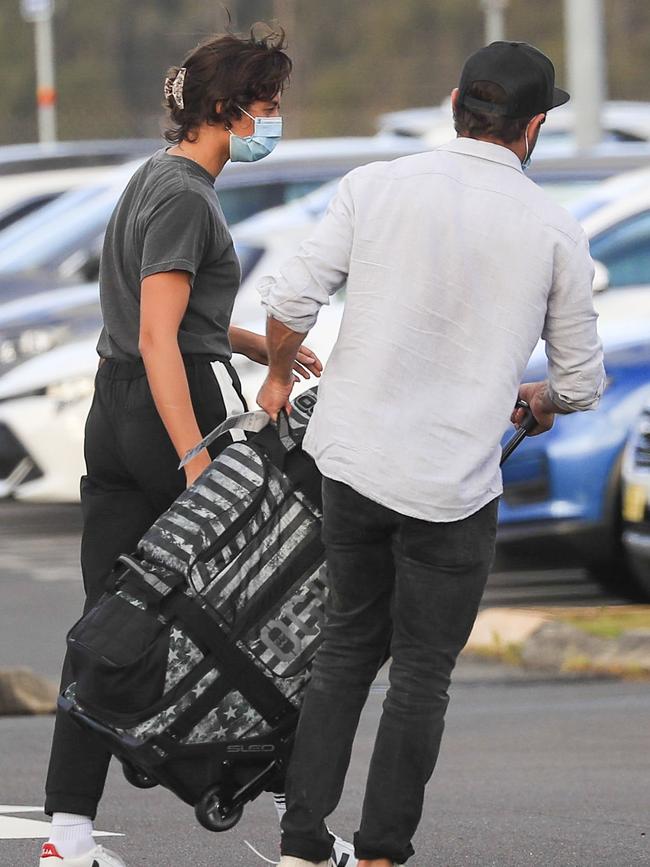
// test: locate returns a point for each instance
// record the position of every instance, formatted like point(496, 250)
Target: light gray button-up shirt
point(455, 264)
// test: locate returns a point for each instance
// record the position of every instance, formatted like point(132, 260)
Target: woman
point(168, 280)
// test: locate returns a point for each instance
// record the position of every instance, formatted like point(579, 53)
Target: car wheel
point(607, 560)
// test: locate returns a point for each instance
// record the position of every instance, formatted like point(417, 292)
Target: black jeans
point(400, 582)
point(132, 478)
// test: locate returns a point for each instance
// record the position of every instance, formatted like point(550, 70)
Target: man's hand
point(536, 396)
point(274, 396)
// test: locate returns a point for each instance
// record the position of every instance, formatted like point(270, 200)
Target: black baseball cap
point(526, 75)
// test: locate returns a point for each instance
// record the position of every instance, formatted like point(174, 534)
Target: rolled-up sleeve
point(575, 355)
point(305, 282)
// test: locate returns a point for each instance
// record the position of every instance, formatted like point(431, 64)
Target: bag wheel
point(212, 816)
point(138, 778)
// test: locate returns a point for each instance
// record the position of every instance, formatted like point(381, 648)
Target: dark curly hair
point(476, 124)
point(231, 70)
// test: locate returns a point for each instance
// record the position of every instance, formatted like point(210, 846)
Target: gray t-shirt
point(168, 219)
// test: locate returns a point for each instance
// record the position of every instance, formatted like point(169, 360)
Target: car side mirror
point(90, 268)
point(601, 278)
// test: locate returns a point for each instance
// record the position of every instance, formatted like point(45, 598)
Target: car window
point(24, 207)
point(239, 203)
point(625, 250)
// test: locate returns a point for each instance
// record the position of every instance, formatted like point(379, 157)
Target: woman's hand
point(306, 362)
point(196, 466)
point(253, 346)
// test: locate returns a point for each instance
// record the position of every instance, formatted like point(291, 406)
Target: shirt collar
point(484, 150)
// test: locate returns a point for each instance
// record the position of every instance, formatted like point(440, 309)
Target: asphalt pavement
point(544, 774)
point(533, 770)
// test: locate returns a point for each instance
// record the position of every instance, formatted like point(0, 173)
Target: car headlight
point(71, 390)
point(15, 348)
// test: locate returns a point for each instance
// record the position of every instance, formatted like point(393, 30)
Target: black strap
point(206, 702)
point(237, 668)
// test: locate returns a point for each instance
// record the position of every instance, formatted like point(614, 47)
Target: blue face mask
point(528, 158)
point(267, 132)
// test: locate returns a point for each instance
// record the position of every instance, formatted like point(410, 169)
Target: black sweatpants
point(132, 478)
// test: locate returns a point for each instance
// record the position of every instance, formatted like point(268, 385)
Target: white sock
point(71, 834)
point(280, 802)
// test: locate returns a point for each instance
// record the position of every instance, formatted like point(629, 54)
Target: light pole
point(39, 13)
point(286, 14)
point(584, 25)
point(495, 20)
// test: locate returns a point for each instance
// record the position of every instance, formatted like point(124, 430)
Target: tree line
point(353, 60)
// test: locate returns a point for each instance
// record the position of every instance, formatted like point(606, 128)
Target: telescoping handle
point(527, 425)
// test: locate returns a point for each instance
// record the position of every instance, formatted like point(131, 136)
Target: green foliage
point(608, 622)
point(354, 60)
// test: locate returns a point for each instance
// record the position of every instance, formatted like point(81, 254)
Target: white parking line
point(12, 828)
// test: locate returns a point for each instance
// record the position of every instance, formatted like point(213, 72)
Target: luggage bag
point(192, 666)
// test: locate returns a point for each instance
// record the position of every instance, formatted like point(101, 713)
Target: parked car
point(564, 488)
point(623, 121)
point(45, 400)
point(36, 157)
point(564, 485)
point(567, 487)
point(40, 321)
point(43, 406)
point(62, 241)
point(60, 245)
point(636, 499)
point(619, 235)
point(21, 195)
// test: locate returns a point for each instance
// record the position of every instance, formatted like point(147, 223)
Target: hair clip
point(174, 87)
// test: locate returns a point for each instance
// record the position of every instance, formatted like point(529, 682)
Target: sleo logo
point(251, 748)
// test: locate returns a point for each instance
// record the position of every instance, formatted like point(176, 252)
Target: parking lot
point(534, 770)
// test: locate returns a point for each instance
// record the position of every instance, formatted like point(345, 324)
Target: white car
point(22, 194)
point(623, 121)
point(44, 403)
point(62, 240)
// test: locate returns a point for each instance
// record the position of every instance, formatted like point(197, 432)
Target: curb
point(23, 693)
point(540, 640)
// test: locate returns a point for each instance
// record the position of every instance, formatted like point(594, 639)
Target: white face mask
point(267, 132)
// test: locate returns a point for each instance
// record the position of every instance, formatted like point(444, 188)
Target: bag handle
point(528, 423)
point(251, 422)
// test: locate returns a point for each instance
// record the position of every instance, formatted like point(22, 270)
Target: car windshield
point(624, 249)
point(608, 191)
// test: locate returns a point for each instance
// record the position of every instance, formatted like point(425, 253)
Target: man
point(455, 264)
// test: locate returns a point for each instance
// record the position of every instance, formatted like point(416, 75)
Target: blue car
point(564, 487)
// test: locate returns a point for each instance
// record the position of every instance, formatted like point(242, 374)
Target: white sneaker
point(342, 856)
point(97, 857)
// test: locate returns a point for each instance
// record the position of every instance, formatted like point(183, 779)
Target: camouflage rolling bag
point(193, 664)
